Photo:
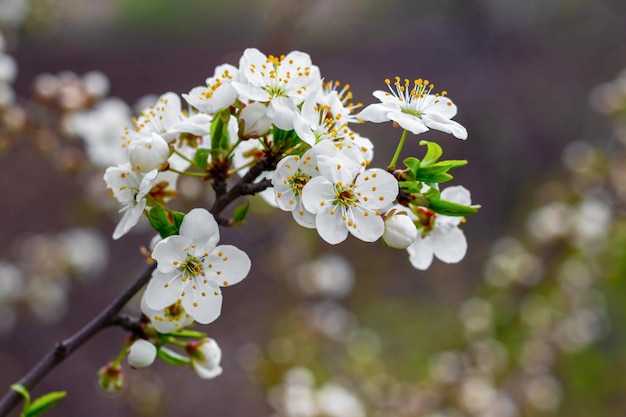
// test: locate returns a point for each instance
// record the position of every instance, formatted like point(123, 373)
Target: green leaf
point(433, 153)
point(201, 157)
point(44, 403)
point(284, 139)
point(413, 164)
point(220, 138)
point(453, 163)
point(240, 213)
point(164, 221)
point(172, 357)
point(23, 391)
point(433, 177)
point(448, 208)
point(410, 187)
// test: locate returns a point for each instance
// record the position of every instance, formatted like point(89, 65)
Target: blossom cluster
point(289, 135)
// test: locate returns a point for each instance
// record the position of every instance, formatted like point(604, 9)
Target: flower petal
point(317, 193)
point(162, 291)
point(200, 228)
point(450, 245)
point(421, 253)
point(367, 225)
point(205, 303)
point(434, 121)
point(409, 122)
point(330, 225)
point(228, 264)
point(170, 253)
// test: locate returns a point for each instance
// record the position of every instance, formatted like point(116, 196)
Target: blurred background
point(530, 323)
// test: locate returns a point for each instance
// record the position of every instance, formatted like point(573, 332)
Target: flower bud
point(141, 354)
point(148, 153)
point(400, 231)
point(253, 121)
point(110, 377)
point(205, 358)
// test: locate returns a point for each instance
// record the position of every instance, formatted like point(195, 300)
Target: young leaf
point(433, 153)
point(413, 164)
point(44, 403)
point(172, 357)
point(220, 138)
point(166, 222)
point(449, 208)
point(410, 187)
point(21, 389)
point(201, 157)
point(240, 213)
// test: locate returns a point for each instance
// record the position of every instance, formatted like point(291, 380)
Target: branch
point(65, 348)
point(246, 185)
point(109, 316)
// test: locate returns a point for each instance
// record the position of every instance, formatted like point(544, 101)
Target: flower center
point(174, 312)
point(344, 196)
point(413, 97)
point(298, 181)
point(191, 267)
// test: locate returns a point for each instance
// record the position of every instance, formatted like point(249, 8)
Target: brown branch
point(109, 316)
point(65, 348)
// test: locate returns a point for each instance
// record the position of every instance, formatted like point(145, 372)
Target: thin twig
point(65, 348)
point(109, 316)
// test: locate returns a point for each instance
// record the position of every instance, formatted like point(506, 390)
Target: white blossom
point(414, 108)
point(141, 354)
point(191, 268)
point(282, 82)
point(445, 241)
point(218, 93)
point(345, 199)
point(205, 359)
point(130, 187)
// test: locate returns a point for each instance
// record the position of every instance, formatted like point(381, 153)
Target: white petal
point(409, 122)
point(282, 111)
point(421, 253)
point(367, 225)
point(441, 106)
point(163, 290)
point(376, 113)
point(200, 228)
point(132, 214)
point(203, 308)
point(434, 121)
point(170, 253)
point(449, 245)
point(303, 217)
point(377, 187)
point(316, 193)
point(229, 264)
point(457, 194)
point(330, 226)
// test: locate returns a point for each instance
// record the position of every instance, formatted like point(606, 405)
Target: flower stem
point(65, 348)
point(188, 174)
point(392, 164)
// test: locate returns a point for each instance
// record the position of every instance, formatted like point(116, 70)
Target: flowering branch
point(66, 347)
point(109, 316)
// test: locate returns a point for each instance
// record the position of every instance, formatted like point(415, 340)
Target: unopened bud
point(141, 354)
point(205, 358)
point(148, 153)
point(253, 121)
point(400, 231)
point(110, 377)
